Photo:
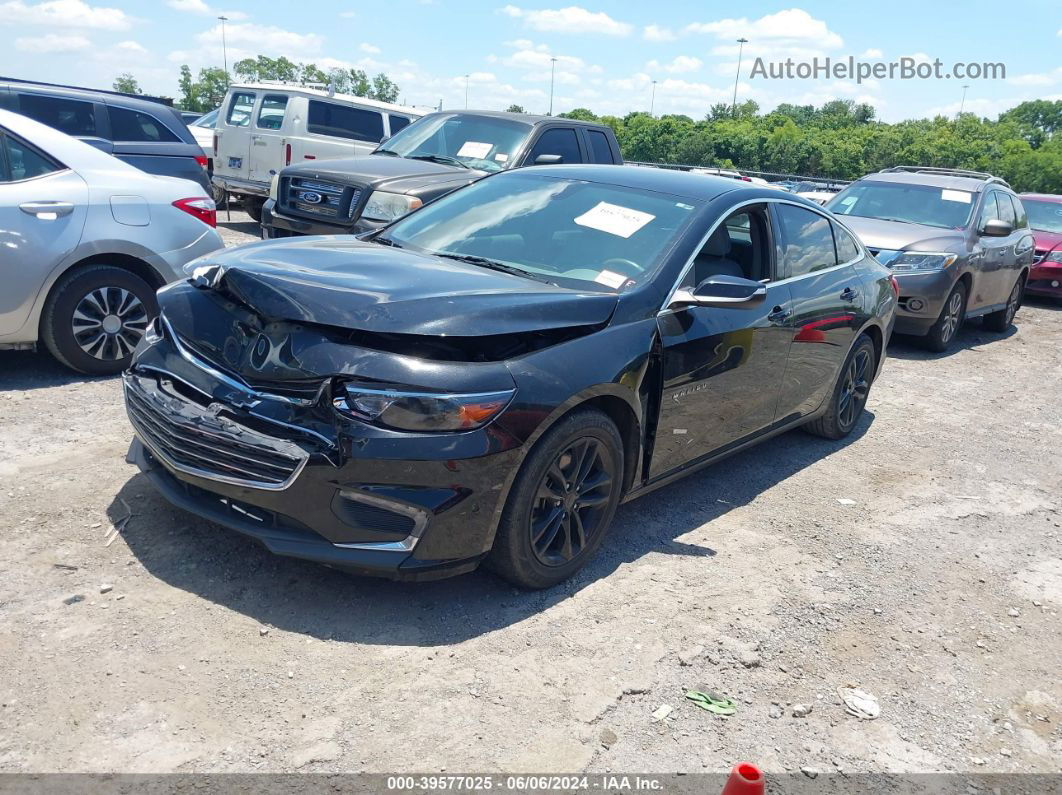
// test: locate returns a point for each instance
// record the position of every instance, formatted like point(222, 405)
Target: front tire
point(943, 332)
point(95, 317)
point(850, 393)
point(1000, 321)
point(561, 503)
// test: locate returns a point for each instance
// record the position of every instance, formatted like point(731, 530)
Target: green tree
point(383, 89)
point(580, 114)
point(204, 93)
point(517, 109)
point(127, 84)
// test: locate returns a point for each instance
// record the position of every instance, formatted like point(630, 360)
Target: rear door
point(268, 144)
point(42, 214)
point(599, 147)
point(233, 133)
point(827, 305)
point(723, 368)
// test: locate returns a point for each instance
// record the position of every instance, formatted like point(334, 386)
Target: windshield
point(482, 142)
point(207, 120)
point(913, 204)
point(571, 232)
point(1044, 216)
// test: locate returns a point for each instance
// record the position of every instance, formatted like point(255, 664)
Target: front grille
point(316, 199)
point(193, 440)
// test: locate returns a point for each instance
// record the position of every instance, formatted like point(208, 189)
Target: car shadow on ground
point(23, 370)
point(970, 337)
point(1041, 302)
point(235, 572)
point(239, 223)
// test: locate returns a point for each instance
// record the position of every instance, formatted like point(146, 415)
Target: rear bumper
point(244, 186)
point(276, 224)
point(922, 297)
point(171, 263)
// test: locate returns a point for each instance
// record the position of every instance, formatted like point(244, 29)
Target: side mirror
point(548, 160)
point(997, 228)
point(724, 291)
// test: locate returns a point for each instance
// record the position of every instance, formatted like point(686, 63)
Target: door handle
point(779, 314)
point(848, 294)
point(47, 211)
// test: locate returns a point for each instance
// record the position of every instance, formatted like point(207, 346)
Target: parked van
point(263, 127)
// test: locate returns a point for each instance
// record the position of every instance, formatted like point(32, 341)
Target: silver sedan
point(85, 241)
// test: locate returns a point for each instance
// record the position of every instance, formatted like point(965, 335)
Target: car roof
point(1046, 197)
point(99, 95)
point(699, 187)
point(969, 184)
point(322, 93)
point(528, 118)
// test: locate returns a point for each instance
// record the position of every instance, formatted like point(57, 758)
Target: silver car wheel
point(952, 317)
point(108, 323)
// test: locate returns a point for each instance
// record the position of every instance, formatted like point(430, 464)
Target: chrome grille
point(318, 199)
point(195, 440)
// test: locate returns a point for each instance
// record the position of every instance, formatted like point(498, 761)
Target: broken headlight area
point(421, 411)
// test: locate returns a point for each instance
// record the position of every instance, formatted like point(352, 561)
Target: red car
point(1045, 220)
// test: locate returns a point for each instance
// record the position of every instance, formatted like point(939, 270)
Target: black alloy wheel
point(850, 393)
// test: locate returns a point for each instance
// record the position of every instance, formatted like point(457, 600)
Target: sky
point(608, 54)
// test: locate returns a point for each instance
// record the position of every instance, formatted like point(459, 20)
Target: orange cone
point(745, 779)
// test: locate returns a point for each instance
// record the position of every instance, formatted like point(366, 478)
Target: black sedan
point(489, 377)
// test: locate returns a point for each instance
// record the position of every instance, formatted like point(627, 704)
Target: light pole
point(741, 46)
point(552, 73)
point(224, 49)
point(652, 99)
point(466, 91)
point(963, 103)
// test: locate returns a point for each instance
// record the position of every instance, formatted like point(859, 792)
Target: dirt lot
point(921, 560)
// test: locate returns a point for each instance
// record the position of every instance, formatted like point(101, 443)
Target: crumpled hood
point(897, 236)
point(385, 172)
point(344, 282)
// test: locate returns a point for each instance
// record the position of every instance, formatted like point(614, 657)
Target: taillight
point(895, 285)
point(215, 144)
point(201, 160)
point(201, 207)
point(287, 155)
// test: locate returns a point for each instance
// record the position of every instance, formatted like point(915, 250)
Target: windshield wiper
point(385, 241)
point(494, 265)
point(391, 152)
point(450, 161)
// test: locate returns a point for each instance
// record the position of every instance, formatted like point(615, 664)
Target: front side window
point(807, 241)
point(271, 114)
point(481, 142)
point(1044, 216)
point(132, 125)
point(21, 161)
point(72, 116)
point(989, 210)
point(240, 108)
point(343, 121)
point(559, 141)
point(740, 246)
point(573, 233)
point(898, 201)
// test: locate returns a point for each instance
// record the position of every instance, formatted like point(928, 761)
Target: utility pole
point(224, 49)
point(963, 103)
point(652, 99)
point(741, 46)
point(466, 91)
point(552, 73)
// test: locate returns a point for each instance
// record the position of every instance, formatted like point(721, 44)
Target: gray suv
point(958, 243)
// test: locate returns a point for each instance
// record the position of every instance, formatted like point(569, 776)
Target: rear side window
point(72, 116)
point(600, 150)
point(559, 141)
point(21, 161)
point(807, 242)
point(343, 121)
point(132, 125)
point(847, 248)
point(240, 108)
point(397, 123)
point(271, 114)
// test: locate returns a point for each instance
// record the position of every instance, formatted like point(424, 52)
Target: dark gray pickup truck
point(431, 157)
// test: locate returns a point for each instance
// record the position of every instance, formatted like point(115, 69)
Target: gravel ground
point(918, 560)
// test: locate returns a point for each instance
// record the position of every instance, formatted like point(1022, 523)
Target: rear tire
point(253, 207)
point(95, 317)
point(562, 502)
point(943, 332)
point(1000, 321)
point(850, 393)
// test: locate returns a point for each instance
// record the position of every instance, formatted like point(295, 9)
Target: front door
point(723, 368)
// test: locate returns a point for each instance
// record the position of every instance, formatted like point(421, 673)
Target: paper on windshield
point(955, 196)
point(501, 157)
point(610, 279)
point(474, 149)
point(620, 221)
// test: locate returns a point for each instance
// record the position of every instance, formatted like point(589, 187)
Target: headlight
point(383, 206)
point(914, 261)
point(273, 183)
point(420, 411)
point(1054, 256)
